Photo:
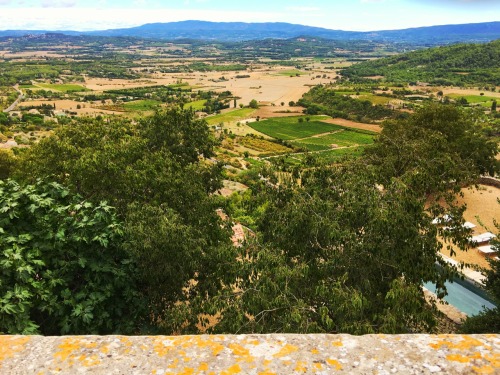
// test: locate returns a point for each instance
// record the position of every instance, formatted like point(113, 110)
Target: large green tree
point(336, 254)
point(63, 270)
point(158, 176)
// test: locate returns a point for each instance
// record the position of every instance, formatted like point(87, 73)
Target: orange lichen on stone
point(458, 358)
point(187, 371)
point(10, 345)
point(494, 359)
point(466, 343)
point(301, 366)
point(286, 350)
point(315, 351)
point(71, 351)
point(267, 373)
point(318, 366)
point(239, 350)
point(484, 370)
point(337, 343)
point(163, 345)
point(234, 369)
point(203, 367)
point(334, 363)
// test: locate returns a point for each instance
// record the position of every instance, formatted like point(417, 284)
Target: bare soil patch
point(354, 125)
point(482, 210)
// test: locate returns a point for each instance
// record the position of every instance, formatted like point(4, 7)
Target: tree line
point(109, 226)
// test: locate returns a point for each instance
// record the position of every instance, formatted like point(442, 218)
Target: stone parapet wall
point(251, 354)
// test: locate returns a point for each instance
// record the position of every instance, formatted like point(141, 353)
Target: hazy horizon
point(349, 15)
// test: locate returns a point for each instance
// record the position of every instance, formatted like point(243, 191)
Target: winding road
point(19, 98)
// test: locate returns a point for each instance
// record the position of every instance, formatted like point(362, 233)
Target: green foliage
point(62, 271)
point(155, 174)
point(439, 146)
point(450, 65)
point(253, 104)
point(336, 255)
point(344, 138)
point(7, 163)
point(326, 101)
point(288, 128)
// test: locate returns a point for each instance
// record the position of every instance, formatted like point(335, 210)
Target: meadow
point(295, 127)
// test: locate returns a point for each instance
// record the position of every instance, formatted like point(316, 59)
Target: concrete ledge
point(251, 354)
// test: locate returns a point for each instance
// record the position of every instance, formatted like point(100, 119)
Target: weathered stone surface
point(251, 354)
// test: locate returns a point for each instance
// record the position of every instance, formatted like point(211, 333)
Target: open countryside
point(209, 182)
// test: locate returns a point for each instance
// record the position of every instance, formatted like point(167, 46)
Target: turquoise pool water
point(465, 296)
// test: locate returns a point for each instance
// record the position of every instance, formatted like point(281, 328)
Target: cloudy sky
point(360, 15)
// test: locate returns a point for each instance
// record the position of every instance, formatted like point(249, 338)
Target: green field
point(236, 115)
point(141, 105)
point(375, 99)
point(343, 138)
point(289, 128)
point(62, 87)
point(289, 73)
point(475, 99)
point(196, 105)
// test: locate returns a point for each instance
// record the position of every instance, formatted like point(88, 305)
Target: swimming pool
point(465, 296)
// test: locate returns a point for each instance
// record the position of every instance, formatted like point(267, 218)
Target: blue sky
point(361, 15)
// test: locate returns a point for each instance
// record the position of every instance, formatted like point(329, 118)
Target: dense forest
point(458, 65)
point(111, 227)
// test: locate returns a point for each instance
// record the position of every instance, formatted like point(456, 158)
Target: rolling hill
point(238, 31)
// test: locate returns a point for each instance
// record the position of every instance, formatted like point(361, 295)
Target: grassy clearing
point(196, 105)
point(375, 99)
point(475, 99)
point(236, 115)
point(343, 138)
point(141, 105)
point(293, 72)
point(289, 128)
point(62, 87)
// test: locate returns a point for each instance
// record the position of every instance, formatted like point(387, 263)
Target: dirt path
point(19, 98)
point(354, 125)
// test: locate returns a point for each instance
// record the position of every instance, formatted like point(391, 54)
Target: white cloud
point(84, 19)
point(59, 3)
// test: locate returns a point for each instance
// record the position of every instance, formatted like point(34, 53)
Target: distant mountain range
point(238, 31)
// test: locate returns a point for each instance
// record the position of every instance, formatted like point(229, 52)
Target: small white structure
point(483, 237)
point(488, 249)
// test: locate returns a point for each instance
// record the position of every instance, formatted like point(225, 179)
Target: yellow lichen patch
point(494, 359)
point(234, 369)
point(334, 363)
point(318, 366)
point(73, 350)
point(10, 345)
point(337, 343)
point(457, 358)
point(187, 371)
point(315, 351)
point(301, 366)
point(203, 367)
point(239, 350)
point(484, 370)
point(127, 343)
point(267, 362)
point(174, 364)
point(267, 373)
point(286, 350)
point(466, 343)
point(162, 346)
